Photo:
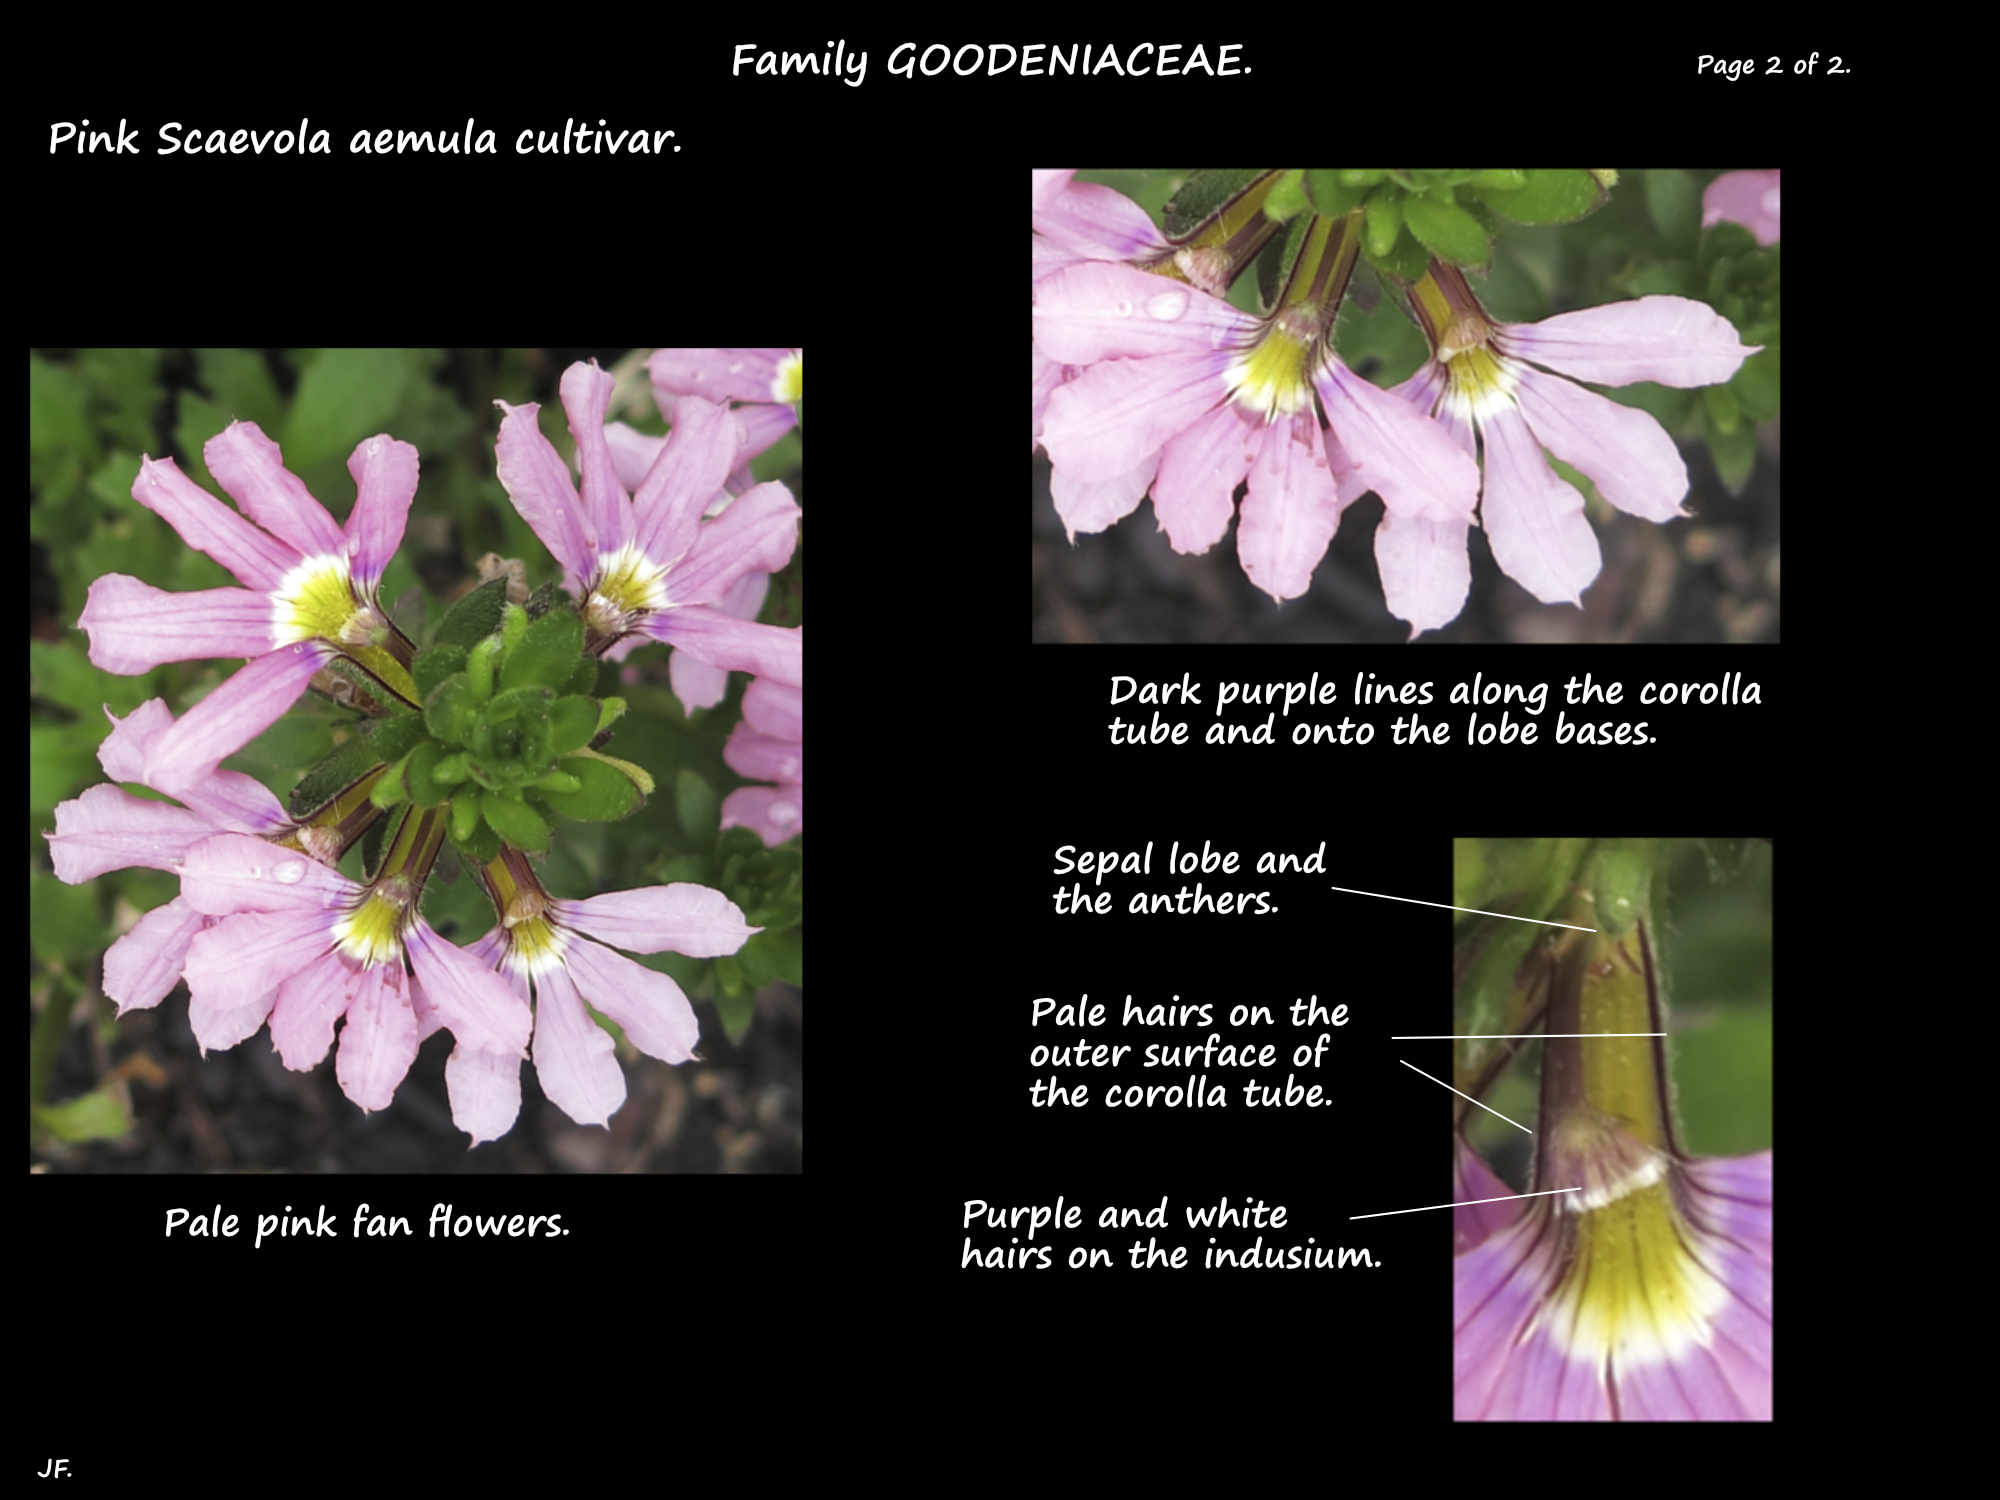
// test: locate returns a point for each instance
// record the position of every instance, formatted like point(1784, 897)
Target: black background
point(823, 1317)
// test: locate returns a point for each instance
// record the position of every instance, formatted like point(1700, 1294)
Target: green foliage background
point(93, 412)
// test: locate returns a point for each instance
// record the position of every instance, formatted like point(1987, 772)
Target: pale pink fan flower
point(1506, 391)
point(1185, 396)
point(648, 562)
point(107, 828)
point(308, 594)
point(767, 386)
point(296, 943)
point(560, 954)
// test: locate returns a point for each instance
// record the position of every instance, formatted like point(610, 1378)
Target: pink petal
point(761, 427)
point(685, 478)
point(1049, 182)
point(142, 967)
point(228, 799)
point(762, 757)
point(259, 561)
point(533, 475)
point(1092, 219)
point(678, 918)
point(1621, 449)
point(1673, 340)
point(1426, 571)
point(773, 813)
point(379, 1041)
point(252, 471)
point(1098, 310)
point(133, 627)
point(1533, 518)
point(586, 393)
point(485, 1092)
point(714, 374)
point(1113, 416)
point(385, 481)
point(1403, 456)
point(648, 1006)
point(1092, 505)
point(233, 715)
point(632, 452)
point(226, 873)
point(1748, 198)
point(1291, 511)
point(307, 1006)
point(731, 644)
point(696, 683)
point(775, 708)
point(107, 828)
point(576, 1061)
point(481, 1009)
point(756, 534)
point(236, 968)
point(1195, 493)
point(1045, 375)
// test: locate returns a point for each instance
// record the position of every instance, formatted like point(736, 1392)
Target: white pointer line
point(1467, 1097)
point(1513, 1036)
point(1473, 909)
point(1428, 1206)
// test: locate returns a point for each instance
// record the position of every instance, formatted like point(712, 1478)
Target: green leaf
point(697, 806)
point(464, 815)
point(451, 711)
point(64, 921)
point(344, 395)
point(393, 789)
point(1330, 195)
point(1507, 179)
point(240, 380)
point(737, 1010)
point(424, 790)
point(100, 1115)
point(1724, 415)
point(516, 822)
point(1447, 231)
point(1203, 194)
point(1756, 386)
point(548, 597)
point(1550, 197)
point(1287, 199)
point(606, 792)
point(338, 770)
point(547, 652)
point(1384, 221)
point(474, 617)
point(1673, 199)
point(1735, 456)
point(584, 678)
point(434, 665)
point(480, 845)
point(572, 722)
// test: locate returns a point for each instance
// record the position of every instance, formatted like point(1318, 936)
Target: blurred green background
point(134, 1094)
point(1714, 944)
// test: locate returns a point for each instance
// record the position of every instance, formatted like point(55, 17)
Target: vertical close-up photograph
point(1487, 406)
point(1612, 1152)
point(415, 760)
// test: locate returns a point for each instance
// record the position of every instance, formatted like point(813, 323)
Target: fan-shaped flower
point(1506, 391)
point(648, 562)
point(309, 590)
point(1746, 198)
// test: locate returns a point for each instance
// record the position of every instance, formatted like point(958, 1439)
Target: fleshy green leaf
point(475, 616)
point(605, 792)
point(516, 822)
point(434, 665)
point(1551, 196)
point(1330, 195)
point(1384, 221)
point(547, 652)
point(340, 769)
point(100, 1115)
point(1447, 231)
point(1673, 199)
point(572, 721)
point(452, 710)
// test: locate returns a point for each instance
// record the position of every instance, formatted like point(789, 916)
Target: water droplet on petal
point(289, 873)
point(1168, 306)
point(1124, 309)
